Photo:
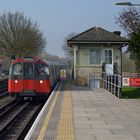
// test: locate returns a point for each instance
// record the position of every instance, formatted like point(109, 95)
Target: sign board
point(135, 82)
point(126, 81)
point(63, 74)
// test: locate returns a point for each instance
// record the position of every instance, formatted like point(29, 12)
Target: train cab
point(30, 77)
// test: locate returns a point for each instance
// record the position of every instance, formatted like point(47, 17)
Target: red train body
point(31, 77)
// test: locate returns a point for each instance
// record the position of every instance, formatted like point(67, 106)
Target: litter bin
point(94, 83)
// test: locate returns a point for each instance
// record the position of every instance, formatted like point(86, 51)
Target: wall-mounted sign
point(126, 81)
point(135, 82)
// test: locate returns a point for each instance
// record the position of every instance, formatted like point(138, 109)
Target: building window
point(108, 56)
point(95, 56)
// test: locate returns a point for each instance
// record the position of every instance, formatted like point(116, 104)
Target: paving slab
point(99, 115)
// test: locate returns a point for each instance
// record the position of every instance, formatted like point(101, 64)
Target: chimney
point(117, 33)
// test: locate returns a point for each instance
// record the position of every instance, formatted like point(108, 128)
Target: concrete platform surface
point(80, 113)
point(99, 115)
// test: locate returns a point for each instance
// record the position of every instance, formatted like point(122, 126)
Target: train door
point(28, 77)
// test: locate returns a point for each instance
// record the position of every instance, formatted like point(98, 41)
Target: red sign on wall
point(135, 82)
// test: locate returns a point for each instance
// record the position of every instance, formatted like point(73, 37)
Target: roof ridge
point(82, 33)
point(97, 34)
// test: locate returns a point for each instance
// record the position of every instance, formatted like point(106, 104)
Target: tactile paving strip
point(49, 126)
point(54, 120)
point(65, 128)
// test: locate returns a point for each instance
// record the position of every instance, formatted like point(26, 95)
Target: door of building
point(108, 58)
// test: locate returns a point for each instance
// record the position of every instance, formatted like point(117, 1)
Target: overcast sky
point(58, 18)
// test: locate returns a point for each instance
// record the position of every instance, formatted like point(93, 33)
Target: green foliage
point(134, 47)
point(19, 36)
point(130, 93)
point(129, 20)
point(126, 61)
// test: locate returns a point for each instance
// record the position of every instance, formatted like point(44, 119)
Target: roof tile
point(97, 34)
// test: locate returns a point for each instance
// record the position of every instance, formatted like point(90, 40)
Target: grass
point(130, 93)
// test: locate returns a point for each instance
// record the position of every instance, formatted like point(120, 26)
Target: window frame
point(108, 57)
point(39, 76)
point(100, 56)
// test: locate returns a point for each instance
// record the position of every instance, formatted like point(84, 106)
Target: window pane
point(95, 56)
point(17, 69)
point(83, 55)
point(108, 56)
point(110, 53)
point(41, 71)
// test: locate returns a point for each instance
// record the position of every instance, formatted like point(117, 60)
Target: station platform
point(79, 113)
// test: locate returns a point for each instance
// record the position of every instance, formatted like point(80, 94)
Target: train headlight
point(41, 82)
point(16, 81)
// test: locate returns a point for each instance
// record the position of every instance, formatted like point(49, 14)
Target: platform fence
point(112, 83)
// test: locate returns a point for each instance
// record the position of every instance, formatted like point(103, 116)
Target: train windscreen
point(29, 71)
point(22, 71)
point(41, 71)
point(16, 71)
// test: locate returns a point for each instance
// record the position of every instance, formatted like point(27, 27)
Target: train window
point(41, 71)
point(17, 69)
point(46, 70)
point(28, 70)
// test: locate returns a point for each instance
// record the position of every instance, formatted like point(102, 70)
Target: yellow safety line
point(46, 121)
point(65, 128)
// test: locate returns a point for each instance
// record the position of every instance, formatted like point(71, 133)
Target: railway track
point(3, 95)
point(3, 91)
point(16, 120)
point(16, 116)
point(7, 106)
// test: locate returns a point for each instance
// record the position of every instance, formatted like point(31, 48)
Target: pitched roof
point(97, 34)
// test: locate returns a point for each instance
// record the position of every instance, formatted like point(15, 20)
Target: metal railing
point(130, 74)
point(112, 83)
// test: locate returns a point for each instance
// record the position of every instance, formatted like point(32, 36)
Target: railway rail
point(17, 116)
point(3, 95)
point(17, 119)
point(7, 106)
point(3, 91)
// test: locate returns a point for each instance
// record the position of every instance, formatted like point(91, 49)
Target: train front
point(28, 78)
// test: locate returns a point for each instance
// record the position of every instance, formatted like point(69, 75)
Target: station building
point(97, 50)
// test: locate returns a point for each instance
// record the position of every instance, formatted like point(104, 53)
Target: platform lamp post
point(126, 4)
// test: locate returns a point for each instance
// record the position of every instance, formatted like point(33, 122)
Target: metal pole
point(111, 83)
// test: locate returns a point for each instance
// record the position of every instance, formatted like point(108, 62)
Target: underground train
point(31, 77)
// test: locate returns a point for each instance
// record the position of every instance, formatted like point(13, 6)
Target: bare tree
point(68, 51)
point(52, 57)
point(129, 20)
point(19, 36)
